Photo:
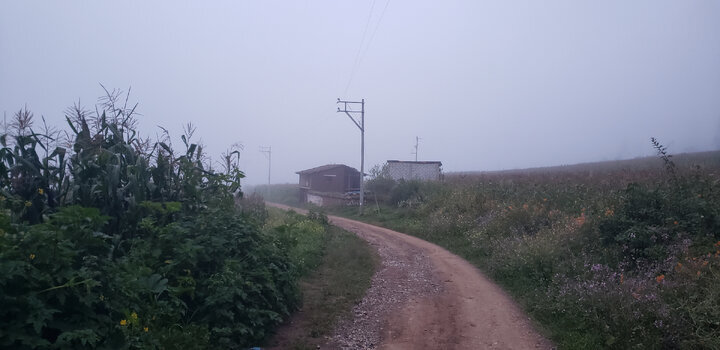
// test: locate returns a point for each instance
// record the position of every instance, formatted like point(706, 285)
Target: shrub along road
point(435, 299)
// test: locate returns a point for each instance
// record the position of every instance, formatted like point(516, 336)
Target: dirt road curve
point(424, 297)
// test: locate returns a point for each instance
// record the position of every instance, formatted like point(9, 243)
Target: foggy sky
point(486, 85)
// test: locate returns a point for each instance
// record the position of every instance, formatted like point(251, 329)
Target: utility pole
point(361, 126)
point(268, 153)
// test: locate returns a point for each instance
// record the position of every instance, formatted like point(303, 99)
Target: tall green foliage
point(115, 242)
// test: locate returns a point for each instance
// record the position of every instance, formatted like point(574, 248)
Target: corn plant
point(31, 183)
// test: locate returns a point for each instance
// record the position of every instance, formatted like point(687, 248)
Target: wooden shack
point(332, 184)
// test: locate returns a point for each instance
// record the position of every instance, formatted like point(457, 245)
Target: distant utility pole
point(417, 142)
point(268, 153)
point(361, 126)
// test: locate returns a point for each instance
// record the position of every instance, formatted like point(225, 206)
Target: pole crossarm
point(346, 111)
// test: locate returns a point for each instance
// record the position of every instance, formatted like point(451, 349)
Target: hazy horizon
point(485, 85)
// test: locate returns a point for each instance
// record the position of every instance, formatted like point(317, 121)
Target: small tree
point(381, 184)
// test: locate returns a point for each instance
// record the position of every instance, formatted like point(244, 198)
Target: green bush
point(650, 221)
point(406, 193)
point(52, 281)
point(381, 186)
point(215, 273)
point(303, 238)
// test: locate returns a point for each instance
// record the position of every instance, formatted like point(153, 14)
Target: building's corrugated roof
point(414, 162)
point(323, 168)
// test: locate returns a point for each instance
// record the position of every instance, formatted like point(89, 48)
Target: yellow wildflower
point(28, 203)
point(146, 329)
point(123, 322)
point(168, 261)
point(134, 316)
point(40, 191)
point(32, 256)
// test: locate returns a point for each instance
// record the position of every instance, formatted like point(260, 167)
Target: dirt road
point(424, 297)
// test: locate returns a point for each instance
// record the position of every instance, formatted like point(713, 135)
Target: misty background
point(486, 85)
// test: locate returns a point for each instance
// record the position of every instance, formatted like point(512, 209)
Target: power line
point(377, 25)
point(357, 55)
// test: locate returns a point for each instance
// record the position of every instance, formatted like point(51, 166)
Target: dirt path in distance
point(424, 297)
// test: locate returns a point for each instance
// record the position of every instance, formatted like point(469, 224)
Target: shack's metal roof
point(323, 168)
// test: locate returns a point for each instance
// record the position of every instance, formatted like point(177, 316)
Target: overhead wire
point(377, 25)
point(361, 53)
point(362, 41)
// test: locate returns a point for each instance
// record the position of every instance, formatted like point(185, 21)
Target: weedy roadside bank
point(613, 258)
point(336, 268)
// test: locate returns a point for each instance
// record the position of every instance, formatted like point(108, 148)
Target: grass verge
point(329, 291)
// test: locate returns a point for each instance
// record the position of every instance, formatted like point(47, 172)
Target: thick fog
point(485, 84)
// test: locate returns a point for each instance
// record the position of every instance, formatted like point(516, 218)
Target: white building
point(409, 170)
